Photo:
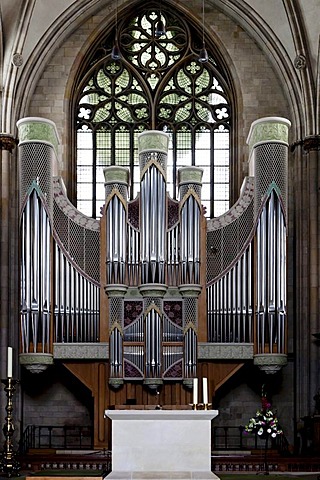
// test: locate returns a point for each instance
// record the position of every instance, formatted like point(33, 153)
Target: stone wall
point(55, 397)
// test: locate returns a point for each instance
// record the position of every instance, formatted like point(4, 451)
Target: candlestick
point(9, 363)
point(8, 462)
point(205, 390)
point(195, 391)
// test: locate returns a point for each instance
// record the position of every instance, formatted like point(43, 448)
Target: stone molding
point(36, 362)
point(7, 142)
point(225, 351)
point(116, 174)
point(153, 290)
point(153, 140)
point(311, 142)
point(100, 351)
point(270, 363)
point(190, 290)
point(115, 290)
point(81, 351)
point(190, 175)
point(64, 204)
point(268, 129)
point(37, 129)
point(243, 203)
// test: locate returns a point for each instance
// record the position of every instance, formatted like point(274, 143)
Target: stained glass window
point(157, 84)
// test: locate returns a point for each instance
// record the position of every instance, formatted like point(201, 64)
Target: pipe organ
point(134, 278)
point(153, 298)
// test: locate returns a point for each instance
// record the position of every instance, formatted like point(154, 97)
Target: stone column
point(8, 261)
point(306, 274)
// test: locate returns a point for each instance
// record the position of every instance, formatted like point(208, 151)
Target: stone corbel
point(7, 142)
point(311, 142)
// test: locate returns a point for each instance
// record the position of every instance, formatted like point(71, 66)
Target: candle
point(205, 390)
point(195, 391)
point(9, 364)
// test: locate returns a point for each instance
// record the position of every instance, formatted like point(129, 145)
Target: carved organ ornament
point(150, 251)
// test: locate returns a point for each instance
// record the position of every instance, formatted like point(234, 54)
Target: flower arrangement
point(265, 423)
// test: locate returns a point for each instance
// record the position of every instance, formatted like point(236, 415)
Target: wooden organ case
point(153, 294)
point(153, 270)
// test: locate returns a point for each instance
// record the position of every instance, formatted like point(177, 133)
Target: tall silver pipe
point(233, 306)
point(281, 279)
point(244, 281)
point(197, 242)
point(25, 280)
point(67, 299)
point(238, 309)
point(271, 269)
point(35, 252)
point(249, 291)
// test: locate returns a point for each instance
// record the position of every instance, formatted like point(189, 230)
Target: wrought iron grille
point(157, 84)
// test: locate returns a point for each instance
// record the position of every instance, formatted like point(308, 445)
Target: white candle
point(205, 390)
point(9, 364)
point(195, 391)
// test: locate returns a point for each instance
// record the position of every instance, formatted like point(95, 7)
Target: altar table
point(161, 444)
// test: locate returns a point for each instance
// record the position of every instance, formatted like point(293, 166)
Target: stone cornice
point(81, 351)
point(225, 351)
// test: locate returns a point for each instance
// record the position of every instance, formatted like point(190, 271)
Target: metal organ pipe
point(35, 276)
point(153, 149)
point(271, 277)
point(229, 303)
point(281, 265)
point(153, 224)
point(116, 186)
point(268, 164)
point(76, 317)
point(189, 187)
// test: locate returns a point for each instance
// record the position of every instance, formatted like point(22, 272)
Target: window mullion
point(94, 175)
point(193, 146)
point(174, 162)
point(212, 212)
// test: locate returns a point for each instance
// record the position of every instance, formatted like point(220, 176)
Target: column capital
point(7, 142)
point(311, 142)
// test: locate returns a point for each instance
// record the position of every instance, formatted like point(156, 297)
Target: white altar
point(161, 444)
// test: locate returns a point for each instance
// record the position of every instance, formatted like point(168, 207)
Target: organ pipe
point(35, 276)
point(229, 303)
point(153, 224)
point(189, 183)
point(76, 311)
point(116, 186)
point(271, 277)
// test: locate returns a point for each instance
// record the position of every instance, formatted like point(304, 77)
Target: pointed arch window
point(158, 84)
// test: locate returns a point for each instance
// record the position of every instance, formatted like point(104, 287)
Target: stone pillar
point(306, 274)
point(8, 261)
